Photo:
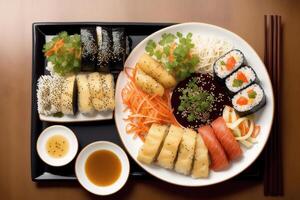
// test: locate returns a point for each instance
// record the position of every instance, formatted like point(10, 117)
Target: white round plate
point(264, 117)
point(57, 130)
point(80, 168)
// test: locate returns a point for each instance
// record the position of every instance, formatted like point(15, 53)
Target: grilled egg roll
point(153, 141)
point(186, 152)
point(154, 69)
point(201, 160)
point(148, 84)
point(170, 147)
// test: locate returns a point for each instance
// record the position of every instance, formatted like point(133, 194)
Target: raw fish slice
point(226, 138)
point(217, 155)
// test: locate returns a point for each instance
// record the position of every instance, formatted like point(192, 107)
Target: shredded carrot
point(171, 55)
point(244, 127)
point(255, 131)
point(58, 44)
point(145, 109)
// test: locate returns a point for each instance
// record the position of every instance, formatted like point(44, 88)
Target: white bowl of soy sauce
point(102, 168)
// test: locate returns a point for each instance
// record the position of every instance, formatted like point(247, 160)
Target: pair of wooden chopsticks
point(273, 177)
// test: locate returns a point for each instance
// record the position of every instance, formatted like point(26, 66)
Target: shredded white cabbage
point(209, 49)
point(233, 121)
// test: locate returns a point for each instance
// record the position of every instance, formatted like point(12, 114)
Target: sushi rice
point(251, 102)
point(220, 68)
point(247, 72)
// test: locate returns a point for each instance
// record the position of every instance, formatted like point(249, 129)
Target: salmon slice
point(218, 157)
point(226, 138)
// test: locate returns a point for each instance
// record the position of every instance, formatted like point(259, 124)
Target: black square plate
point(86, 132)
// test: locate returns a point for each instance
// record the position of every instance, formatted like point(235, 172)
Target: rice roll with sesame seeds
point(88, 38)
point(107, 101)
point(55, 93)
point(104, 40)
point(95, 87)
point(118, 48)
point(69, 95)
point(228, 63)
point(249, 100)
point(43, 92)
point(240, 79)
point(84, 97)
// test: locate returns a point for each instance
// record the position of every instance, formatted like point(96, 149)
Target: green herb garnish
point(222, 62)
point(252, 94)
point(237, 83)
point(64, 52)
point(174, 52)
point(59, 114)
point(194, 101)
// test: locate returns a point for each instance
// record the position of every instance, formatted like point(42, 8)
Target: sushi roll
point(55, 93)
point(88, 38)
point(85, 105)
point(240, 79)
point(43, 91)
point(249, 100)
point(49, 94)
point(69, 96)
point(118, 48)
point(228, 63)
point(101, 87)
point(104, 49)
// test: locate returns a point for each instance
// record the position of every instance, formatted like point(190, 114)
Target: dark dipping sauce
point(208, 83)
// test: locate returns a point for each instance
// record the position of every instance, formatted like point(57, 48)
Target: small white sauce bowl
point(57, 130)
point(84, 180)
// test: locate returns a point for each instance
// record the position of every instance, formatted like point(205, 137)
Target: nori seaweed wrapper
point(88, 39)
point(254, 109)
point(243, 63)
point(118, 48)
point(104, 54)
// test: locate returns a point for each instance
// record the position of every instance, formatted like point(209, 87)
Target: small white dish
point(84, 180)
point(57, 130)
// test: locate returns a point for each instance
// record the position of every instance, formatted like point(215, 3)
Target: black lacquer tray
point(88, 132)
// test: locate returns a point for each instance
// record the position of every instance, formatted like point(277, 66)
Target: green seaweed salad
point(174, 52)
point(64, 52)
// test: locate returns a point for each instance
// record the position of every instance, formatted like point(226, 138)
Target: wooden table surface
point(240, 16)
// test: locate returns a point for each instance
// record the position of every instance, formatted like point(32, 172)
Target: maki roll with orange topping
point(88, 40)
point(249, 100)
point(228, 63)
point(240, 79)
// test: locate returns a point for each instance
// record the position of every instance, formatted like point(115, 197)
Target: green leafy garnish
point(194, 101)
point(167, 38)
point(174, 52)
point(237, 83)
point(59, 114)
point(252, 94)
point(64, 52)
point(222, 62)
